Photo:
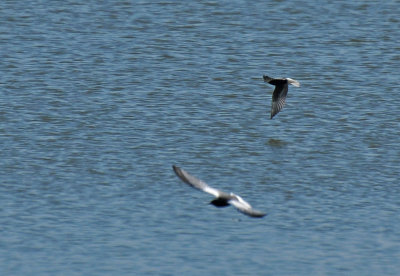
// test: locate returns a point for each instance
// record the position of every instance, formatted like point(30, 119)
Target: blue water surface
point(100, 98)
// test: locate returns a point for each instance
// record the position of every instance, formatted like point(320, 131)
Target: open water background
point(99, 98)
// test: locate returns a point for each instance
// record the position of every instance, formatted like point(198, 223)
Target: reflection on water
point(276, 143)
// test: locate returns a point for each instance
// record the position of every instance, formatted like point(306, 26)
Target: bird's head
point(266, 78)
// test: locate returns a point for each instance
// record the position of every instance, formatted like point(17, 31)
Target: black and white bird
point(280, 92)
point(221, 199)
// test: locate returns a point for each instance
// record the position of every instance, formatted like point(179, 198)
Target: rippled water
point(99, 99)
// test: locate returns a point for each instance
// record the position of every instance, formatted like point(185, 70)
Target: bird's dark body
point(278, 82)
point(220, 202)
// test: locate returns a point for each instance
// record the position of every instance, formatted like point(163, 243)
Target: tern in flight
point(280, 92)
point(221, 199)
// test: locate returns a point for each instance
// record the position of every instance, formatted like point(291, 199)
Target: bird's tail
point(293, 82)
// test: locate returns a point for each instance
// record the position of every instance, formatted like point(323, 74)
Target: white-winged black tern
point(280, 92)
point(222, 199)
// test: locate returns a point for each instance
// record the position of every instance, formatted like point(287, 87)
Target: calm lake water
point(100, 98)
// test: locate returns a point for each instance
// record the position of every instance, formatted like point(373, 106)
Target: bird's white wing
point(293, 82)
point(195, 182)
point(244, 207)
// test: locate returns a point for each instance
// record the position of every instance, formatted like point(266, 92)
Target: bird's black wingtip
point(257, 215)
point(179, 173)
point(175, 168)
